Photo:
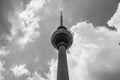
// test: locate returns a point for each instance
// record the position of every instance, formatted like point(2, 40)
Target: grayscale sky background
point(26, 26)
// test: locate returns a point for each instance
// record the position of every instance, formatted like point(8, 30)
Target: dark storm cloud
point(106, 75)
point(97, 12)
point(5, 7)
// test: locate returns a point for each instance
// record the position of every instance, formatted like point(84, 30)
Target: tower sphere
point(61, 37)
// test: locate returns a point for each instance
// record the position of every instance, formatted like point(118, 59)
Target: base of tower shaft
point(62, 73)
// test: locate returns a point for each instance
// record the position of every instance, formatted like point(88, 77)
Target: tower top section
point(61, 36)
point(61, 22)
point(61, 19)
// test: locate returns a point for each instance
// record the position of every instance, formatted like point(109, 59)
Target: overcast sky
point(26, 27)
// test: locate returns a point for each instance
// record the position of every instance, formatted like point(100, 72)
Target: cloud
point(95, 51)
point(4, 52)
point(5, 7)
point(51, 75)
point(2, 69)
point(115, 21)
point(84, 50)
point(25, 26)
point(20, 70)
point(35, 76)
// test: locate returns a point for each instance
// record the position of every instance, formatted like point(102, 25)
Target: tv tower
point(62, 39)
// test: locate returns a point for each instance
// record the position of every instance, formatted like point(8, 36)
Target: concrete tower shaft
point(62, 40)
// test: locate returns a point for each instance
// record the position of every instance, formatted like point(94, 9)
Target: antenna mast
point(61, 19)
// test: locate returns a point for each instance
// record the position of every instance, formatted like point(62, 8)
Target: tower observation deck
point(61, 40)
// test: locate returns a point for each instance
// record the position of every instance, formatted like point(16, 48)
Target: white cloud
point(20, 70)
point(52, 75)
point(2, 69)
point(3, 51)
point(25, 26)
point(35, 76)
point(115, 21)
point(83, 50)
point(95, 51)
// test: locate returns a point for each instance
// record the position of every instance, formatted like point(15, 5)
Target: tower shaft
point(62, 40)
point(62, 73)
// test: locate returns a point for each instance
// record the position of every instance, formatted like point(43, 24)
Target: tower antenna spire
point(61, 19)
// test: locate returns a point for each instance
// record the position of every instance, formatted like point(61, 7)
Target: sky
point(26, 27)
